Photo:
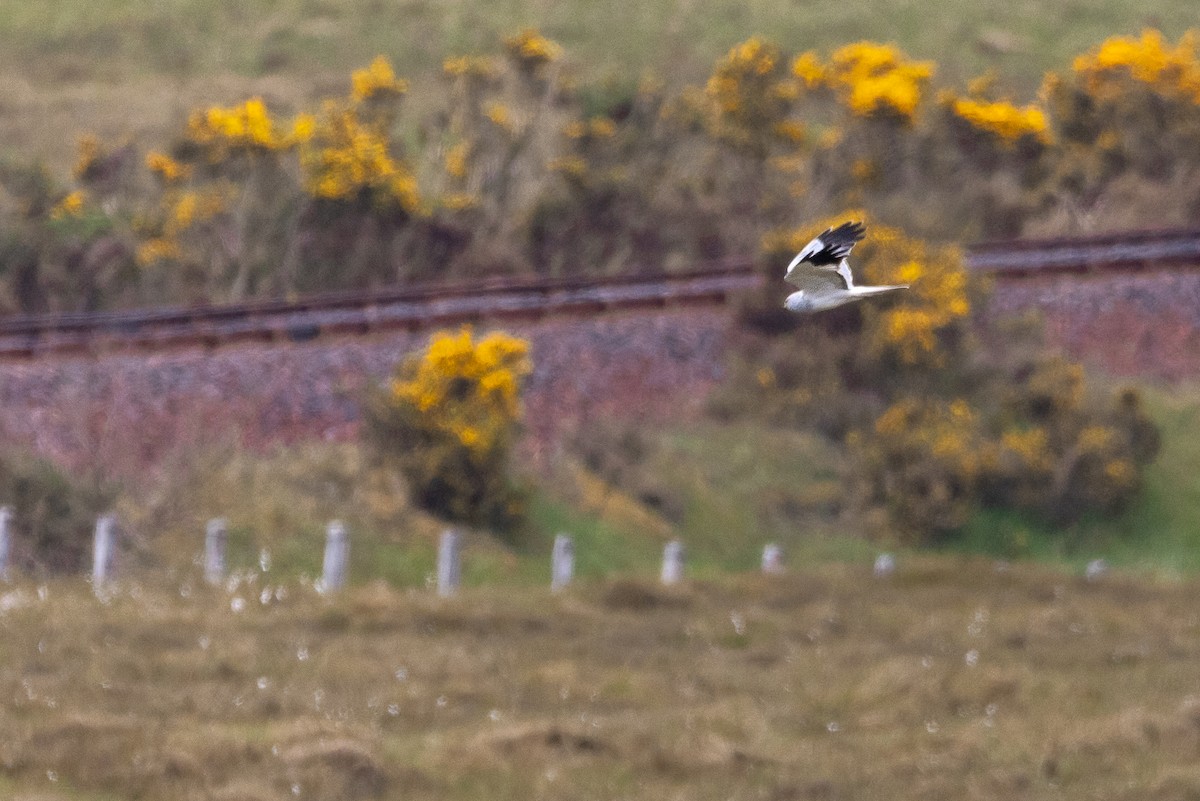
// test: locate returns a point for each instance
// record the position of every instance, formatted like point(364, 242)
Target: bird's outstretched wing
point(818, 280)
point(827, 253)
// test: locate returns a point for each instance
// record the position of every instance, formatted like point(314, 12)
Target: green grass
point(1160, 532)
point(724, 489)
point(126, 68)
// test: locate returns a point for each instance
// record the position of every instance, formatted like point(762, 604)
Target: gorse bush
point(938, 425)
point(447, 422)
point(514, 165)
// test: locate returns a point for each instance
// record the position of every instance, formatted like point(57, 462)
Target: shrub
point(938, 425)
point(1047, 449)
point(922, 459)
point(447, 421)
point(517, 166)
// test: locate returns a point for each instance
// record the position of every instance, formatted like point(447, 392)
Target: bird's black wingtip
point(853, 230)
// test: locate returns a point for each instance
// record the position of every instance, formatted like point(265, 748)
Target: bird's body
point(823, 276)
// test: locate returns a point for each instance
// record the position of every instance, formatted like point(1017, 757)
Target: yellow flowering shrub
point(751, 94)
point(479, 67)
point(375, 81)
point(1001, 118)
point(922, 459)
point(157, 249)
point(447, 420)
point(346, 159)
point(531, 50)
point(70, 206)
point(1147, 59)
point(933, 462)
point(222, 132)
point(91, 153)
point(869, 78)
point(167, 168)
point(1128, 109)
point(514, 164)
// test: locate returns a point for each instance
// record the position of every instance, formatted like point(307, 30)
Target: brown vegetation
point(951, 679)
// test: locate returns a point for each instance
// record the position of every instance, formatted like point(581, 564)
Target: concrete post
point(103, 547)
point(5, 541)
point(449, 563)
point(337, 553)
point(215, 540)
point(672, 566)
point(772, 559)
point(562, 562)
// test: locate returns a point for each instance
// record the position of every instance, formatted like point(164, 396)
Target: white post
point(449, 564)
point(885, 565)
point(672, 566)
point(562, 562)
point(337, 551)
point(772, 559)
point(215, 539)
point(102, 550)
point(5, 541)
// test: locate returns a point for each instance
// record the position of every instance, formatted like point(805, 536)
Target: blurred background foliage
point(516, 160)
point(513, 162)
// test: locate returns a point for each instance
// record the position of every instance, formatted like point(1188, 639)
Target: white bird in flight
point(821, 272)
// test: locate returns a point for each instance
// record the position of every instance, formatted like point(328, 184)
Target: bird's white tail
point(867, 291)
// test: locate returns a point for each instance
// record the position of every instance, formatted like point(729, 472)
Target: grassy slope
point(724, 489)
point(127, 68)
point(948, 681)
point(1160, 532)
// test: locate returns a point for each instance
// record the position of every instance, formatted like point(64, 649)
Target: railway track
point(422, 307)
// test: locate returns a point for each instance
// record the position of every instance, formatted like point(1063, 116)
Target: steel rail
point(366, 312)
point(425, 306)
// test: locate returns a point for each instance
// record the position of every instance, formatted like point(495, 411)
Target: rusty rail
point(427, 306)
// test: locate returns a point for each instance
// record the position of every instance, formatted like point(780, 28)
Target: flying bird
point(821, 272)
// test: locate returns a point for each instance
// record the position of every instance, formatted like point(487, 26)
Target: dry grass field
point(955, 678)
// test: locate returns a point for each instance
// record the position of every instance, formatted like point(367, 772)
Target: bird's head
point(798, 302)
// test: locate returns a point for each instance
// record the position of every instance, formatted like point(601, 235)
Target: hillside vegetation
point(121, 68)
point(519, 160)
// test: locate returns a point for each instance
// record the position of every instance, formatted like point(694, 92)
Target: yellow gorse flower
point(247, 127)
point(474, 66)
point(347, 157)
point(750, 94)
point(1031, 447)
point(191, 207)
point(1147, 59)
point(69, 206)
point(376, 80)
point(872, 78)
point(90, 152)
point(1003, 119)
point(808, 68)
point(948, 433)
point(530, 49)
point(166, 167)
point(467, 390)
point(303, 128)
point(156, 250)
point(456, 159)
